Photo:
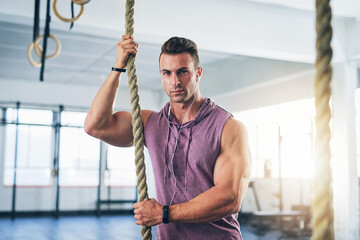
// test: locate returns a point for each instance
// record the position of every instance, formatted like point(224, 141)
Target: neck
point(186, 111)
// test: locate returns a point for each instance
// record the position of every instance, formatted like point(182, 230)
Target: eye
point(183, 71)
point(165, 73)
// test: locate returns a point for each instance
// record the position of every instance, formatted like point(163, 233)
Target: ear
point(199, 72)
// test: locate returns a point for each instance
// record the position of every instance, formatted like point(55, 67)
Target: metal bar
point(108, 188)
point(100, 182)
point(136, 194)
point(29, 124)
point(280, 182)
point(49, 106)
point(3, 117)
point(13, 205)
point(56, 157)
point(43, 125)
point(115, 201)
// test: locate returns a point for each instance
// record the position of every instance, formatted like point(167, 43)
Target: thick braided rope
point(322, 211)
point(136, 117)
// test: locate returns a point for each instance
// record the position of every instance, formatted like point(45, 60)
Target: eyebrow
point(180, 69)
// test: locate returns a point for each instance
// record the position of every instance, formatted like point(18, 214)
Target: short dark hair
point(176, 45)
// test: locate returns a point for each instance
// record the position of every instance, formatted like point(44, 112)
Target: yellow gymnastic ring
point(81, 2)
point(67, 19)
point(31, 60)
point(38, 48)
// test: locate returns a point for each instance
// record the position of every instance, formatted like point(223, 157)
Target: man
point(199, 152)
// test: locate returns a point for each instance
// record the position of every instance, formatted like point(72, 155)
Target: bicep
point(119, 133)
point(119, 130)
point(233, 166)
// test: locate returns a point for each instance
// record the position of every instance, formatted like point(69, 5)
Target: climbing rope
point(136, 117)
point(322, 211)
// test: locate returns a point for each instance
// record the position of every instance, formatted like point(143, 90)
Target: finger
point(129, 47)
point(128, 41)
point(142, 223)
point(134, 52)
point(126, 36)
point(125, 47)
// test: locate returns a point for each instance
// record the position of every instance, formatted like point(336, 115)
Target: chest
point(194, 146)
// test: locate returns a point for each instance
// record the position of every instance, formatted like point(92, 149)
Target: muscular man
point(199, 152)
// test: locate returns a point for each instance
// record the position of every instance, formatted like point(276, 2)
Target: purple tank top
point(197, 146)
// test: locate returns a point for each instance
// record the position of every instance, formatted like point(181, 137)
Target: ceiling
point(241, 43)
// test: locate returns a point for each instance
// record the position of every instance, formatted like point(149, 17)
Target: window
point(280, 133)
point(79, 153)
point(30, 143)
point(121, 169)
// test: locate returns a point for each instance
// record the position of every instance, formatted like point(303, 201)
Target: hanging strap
point(72, 15)
point(46, 36)
point(36, 20)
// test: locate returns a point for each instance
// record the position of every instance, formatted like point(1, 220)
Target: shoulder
point(233, 132)
point(145, 114)
point(235, 144)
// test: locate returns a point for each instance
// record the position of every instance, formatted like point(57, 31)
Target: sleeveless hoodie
point(188, 171)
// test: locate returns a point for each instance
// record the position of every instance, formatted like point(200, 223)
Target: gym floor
point(121, 227)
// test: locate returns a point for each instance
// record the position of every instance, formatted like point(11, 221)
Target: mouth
point(177, 91)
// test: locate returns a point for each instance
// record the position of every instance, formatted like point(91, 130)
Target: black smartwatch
point(165, 217)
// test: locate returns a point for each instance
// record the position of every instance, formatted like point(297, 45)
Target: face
point(179, 77)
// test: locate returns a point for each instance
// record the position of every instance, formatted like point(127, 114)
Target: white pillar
point(345, 180)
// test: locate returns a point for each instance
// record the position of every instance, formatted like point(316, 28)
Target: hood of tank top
point(205, 109)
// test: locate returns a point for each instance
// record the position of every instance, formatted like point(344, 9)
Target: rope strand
point(322, 210)
point(136, 117)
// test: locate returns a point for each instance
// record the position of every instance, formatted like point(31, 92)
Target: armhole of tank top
point(229, 115)
point(146, 124)
point(147, 120)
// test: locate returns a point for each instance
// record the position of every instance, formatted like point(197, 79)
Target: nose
point(174, 80)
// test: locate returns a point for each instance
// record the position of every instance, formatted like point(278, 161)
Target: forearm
point(213, 204)
point(101, 109)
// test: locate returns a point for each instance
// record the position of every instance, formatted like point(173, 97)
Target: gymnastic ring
point(38, 48)
point(67, 19)
point(31, 60)
point(80, 2)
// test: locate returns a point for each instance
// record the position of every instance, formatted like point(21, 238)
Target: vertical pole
point(13, 205)
point(280, 182)
point(108, 188)
point(345, 180)
point(57, 127)
point(100, 182)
